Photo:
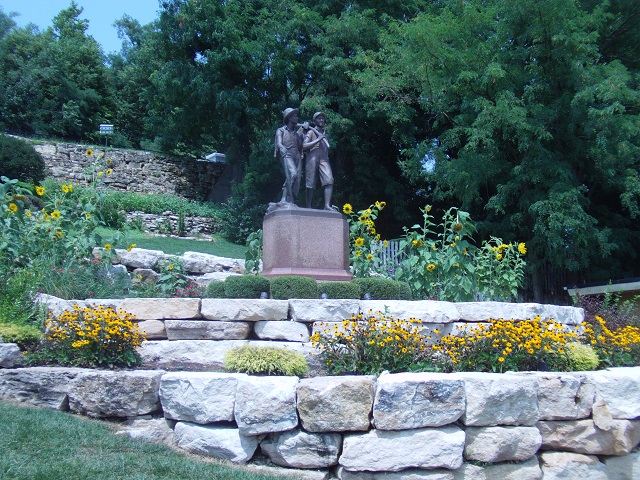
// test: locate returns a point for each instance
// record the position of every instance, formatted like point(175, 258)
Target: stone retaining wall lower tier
point(407, 426)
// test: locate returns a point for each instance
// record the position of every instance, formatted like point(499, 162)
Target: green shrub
point(265, 360)
point(20, 160)
point(240, 217)
point(26, 336)
point(340, 289)
point(292, 286)
point(215, 290)
point(581, 357)
point(246, 286)
point(381, 288)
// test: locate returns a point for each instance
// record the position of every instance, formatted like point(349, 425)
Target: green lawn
point(177, 246)
point(41, 444)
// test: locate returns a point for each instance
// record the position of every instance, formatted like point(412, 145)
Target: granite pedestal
point(307, 242)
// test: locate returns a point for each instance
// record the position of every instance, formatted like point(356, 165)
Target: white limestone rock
point(619, 388)
point(199, 397)
point(162, 308)
point(529, 470)
point(196, 262)
point(103, 393)
point(40, 386)
point(207, 278)
point(317, 310)
point(410, 474)
point(391, 451)
point(206, 330)
point(501, 444)
point(624, 468)
point(225, 443)
point(571, 466)
point(428, 311)
point(155, 430)
point(141, 258)
point(498, 399)
point(55, 306)
point(282, 330)
point(243, 309)
point(336, 404)
point(153, 329)
point(583, 436)
point(10, 355)
point(266, 404)
point(405, 401)
point(483, 311)
point(300, 449)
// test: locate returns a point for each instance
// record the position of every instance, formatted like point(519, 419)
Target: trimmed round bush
point(246, 286)
point(581, 357)
point(215, 290)
point(340, 289)
point(381, 288)
point(265, 360)
point(292, 286)
point(19, 160)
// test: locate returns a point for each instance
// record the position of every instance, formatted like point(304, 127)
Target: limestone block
point(624, 468)
point(266, 404)
point(282, 330)
point(405, 401)
point(155, 430)
point(206, 330)
point(336, 404)
point(162, 308)
point(40, 386)
point(10, 355)
point(196, 262)
point(207, 278)
point(428, 311)
point(392, 451)
point(312, 310)
point(225, 443)
point(300, 449)
point(501, 444)
point(497, 399)
point(244, 309)
point(529, 470)
point(583, 436)
point(141, 258)
point(571, 466)
point(619, 388)
point(153, 329)
point(103, 393)
point(410, 474)
point(199, 397)
point(55, 306)
point(482, 311)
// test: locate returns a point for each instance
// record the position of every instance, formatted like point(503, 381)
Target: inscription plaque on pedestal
point(306, 242)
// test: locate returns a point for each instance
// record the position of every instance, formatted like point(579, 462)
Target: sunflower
point(89, 152)
point(347, 209)
point(107, 246)
point(431, 267)
point(522, 248)
point(369, 256)
point(359, 242)
point(55, 214)
point(65, 189)
point(13, 207)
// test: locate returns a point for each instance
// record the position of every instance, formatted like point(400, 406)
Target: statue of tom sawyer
point(316, 146)
point(288, 144)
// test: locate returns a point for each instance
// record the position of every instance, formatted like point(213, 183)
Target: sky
point(100, 13)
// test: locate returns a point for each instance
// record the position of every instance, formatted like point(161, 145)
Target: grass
point(52, 445)
point(177, 246)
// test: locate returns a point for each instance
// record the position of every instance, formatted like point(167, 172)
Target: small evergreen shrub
point(340, 289)
point(581, 357)
point(246, 286)
point(215, 290)
point(20, 160)
point(292, 286)
point(26, 336)
point(381, 288)
point(265, 360)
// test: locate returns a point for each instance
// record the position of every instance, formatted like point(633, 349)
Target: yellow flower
point(385, 243)
point(347, 209)
point(358, 253)
point(417, 243)
point(499, 257)
point(55, 214)
point(13, 207)
point(377, 239)
point(359, 242)
point(100, 174)
point(107, 246)
point(382, 205)
point(70, 187)
point(109, 171)
point(369, 256)
point(453, 245)
point(522, 248)
point(109, 161)
point(40, 191)
point(59, 233)
point(65, 189)
point(87, 216)
point(133, 245)
point(377, 204)
point(170, 267)
point(501, 359)
point(89, 152)
point(431, 267)
point(28, 214)
point(428, 209)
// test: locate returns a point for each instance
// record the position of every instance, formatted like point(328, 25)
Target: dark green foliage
point(240, 217)
point(246, 286)
point(340, 289)
point(215, 290)
point(292, 286)
point(19, 160)
point(381, 288)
